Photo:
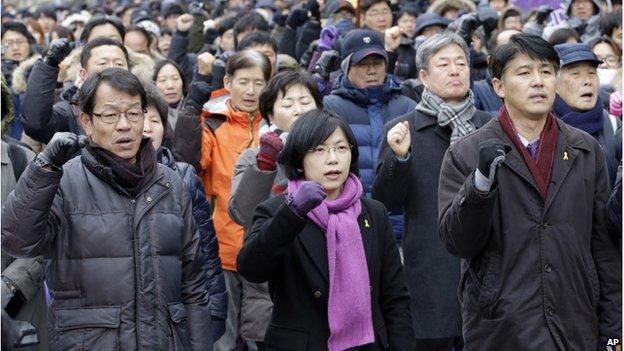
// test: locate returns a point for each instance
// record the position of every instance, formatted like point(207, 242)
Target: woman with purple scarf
point(329, 254)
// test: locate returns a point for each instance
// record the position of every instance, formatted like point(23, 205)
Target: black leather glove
point(58, 51)
point(468, 23)
point(327, 63)
point(297, 18)
point(279, 19)
point(314, 8)
point(491, 154)
point(489, 20)
point(61, 148)
point(542, 14)
point(198, 94)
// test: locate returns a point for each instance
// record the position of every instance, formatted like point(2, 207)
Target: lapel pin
point(565, 155)
point(366, 223)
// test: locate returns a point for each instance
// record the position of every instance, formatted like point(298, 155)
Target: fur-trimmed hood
point(21, 73)
point(463, 5)
point(141, 66)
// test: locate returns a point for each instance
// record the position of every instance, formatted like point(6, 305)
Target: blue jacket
point(485, 97)
point(366, 111)
point(209, 246)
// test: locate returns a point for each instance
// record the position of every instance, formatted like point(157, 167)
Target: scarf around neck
point(591, 121)
point(114, 170)
point(459, 116)
point(349, 303)
point(540, 166)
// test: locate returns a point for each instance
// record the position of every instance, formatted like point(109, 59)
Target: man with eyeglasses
point(376, 15)
point(366, 97)
point(578, 102)
point(125, 267)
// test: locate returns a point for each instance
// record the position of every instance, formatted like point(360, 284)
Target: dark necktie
point(532, 148)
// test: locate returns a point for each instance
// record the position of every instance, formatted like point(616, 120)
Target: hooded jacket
point(124, 273)
point(219, 134)
point(366, 111)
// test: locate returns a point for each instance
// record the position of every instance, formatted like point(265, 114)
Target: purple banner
point(528, 5)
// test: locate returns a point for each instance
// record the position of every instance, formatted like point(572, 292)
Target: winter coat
point(213, 141)
point(405, 64)
point(366, 115)
point(25, 273)
point(124, 273)
point(536, 274)
point(485, 97)
point(42, 118)
point(431, 273)
point(178, 54)
point(208, 241)
point(291, 254)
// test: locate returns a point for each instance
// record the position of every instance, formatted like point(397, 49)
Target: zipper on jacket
point(251, 136)
point(136, 275)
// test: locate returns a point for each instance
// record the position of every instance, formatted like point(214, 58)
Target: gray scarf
point(459, 116)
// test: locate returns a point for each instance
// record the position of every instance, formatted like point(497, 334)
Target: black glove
point(58, 51)
point(468, 23)
point(489, 20)
point(198, 94)
point(61, 148)
point(279, 19)
point(314, 8)
point(327, 63)
point(491, 154)
point(542, 14)
point(297, 18)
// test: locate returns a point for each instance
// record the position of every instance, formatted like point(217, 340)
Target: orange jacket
point(226, 133)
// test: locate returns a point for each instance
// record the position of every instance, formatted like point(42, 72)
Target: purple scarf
point(349, 302)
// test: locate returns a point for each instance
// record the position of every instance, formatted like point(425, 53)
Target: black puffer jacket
point(42, 118)
point(125, 273)
point(208, 241)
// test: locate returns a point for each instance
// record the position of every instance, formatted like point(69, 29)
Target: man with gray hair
point(410, 159)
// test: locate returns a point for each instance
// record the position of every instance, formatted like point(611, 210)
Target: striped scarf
point(459, 116)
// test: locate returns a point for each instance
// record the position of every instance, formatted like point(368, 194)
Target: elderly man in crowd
point(410, 158)
point(125, 271)
point(578, 103)
point(522, 202)
point(366, 98)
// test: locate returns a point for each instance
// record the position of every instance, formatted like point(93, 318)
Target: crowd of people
point(246, 175)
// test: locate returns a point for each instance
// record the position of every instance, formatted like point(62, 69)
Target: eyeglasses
point(376, 13)
point(18, 42)
point(112, 117)
point(323, 151)
point(610, 59)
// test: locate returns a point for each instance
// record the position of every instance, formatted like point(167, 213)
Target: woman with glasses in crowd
point(328, 253)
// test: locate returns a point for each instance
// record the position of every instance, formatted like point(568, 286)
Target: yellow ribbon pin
point(366, 223)
point(565, 155)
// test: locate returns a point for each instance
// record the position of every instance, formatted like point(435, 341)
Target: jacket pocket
point(90, 328)
point(180, 337)
point(487, 290)
point(286, 338)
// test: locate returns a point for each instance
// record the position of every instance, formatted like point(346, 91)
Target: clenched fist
point(399, 139)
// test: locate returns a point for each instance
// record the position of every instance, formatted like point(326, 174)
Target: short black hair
point(251, 21)
point(46, 12)
point(367, 4)
point(143, 31)
point(116, 78)
point(409, 9)
point(172, 10)
point(257, 38)
point(85, 55)
point(160, 64)
point(64, 32)
point(610, 21)
point(20, 28)
point(100, 20)
point(308, 131)
point(562, 35)
point(280, 83)
point(532, 45)
point(226, 24)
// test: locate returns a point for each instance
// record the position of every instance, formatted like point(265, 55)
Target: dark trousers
point(447, 344)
